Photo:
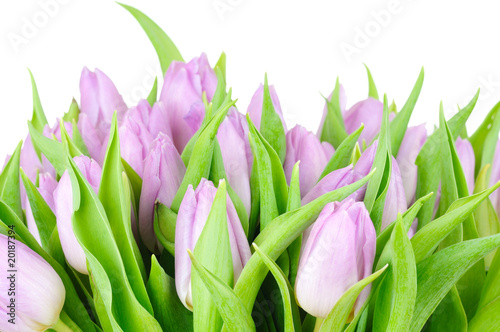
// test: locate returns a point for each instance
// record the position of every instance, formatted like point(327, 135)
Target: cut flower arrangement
point(181, 213)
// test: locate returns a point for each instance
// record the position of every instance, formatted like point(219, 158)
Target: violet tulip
point(46, 187)
point(37, 290)
point(303, 145)
point(338, 253)
point(191, 219)
point(99, 100)
point(236, 154)
point(182, 93)
point(409, 149)
point(63, 203)
point(467, 159)
point(163, 174)
point(395, 200)
point(254, 109)
point(494, 178)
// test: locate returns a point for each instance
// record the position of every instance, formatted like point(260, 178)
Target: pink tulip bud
point(408, 152)
point(236, 154)
point(494, 178)
point(254, 109)
point(46, 187)
point(37, 290)
point(338, 253)
point(163, 174)
point(467, 158)
point(191, 220)
point(63, 202)
point(182, 97)
point(303, 145)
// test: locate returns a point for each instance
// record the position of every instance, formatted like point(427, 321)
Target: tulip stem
point(60, 326)
point(319, 322)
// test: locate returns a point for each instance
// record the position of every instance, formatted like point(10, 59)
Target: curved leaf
point(10, 190)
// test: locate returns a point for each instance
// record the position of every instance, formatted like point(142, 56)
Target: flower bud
point(467, 159)
point(408, 152)
point(494, 178)
point(303, 145)
point(46, 187)
point(236, 154)
point(395, 199)
point(163, 174)
point(182, 93)
point(39, 291)
point(191, 220)
point(338, 253)
point(254, 109)
point(63, 203)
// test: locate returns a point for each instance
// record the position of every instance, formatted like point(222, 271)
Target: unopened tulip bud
point(467, 159)
point(254, 109)
point(63, 203)
point(303, 145)
point(338, 253)
point(32, 297)
point(182, 93)
point(163, 174)
point(192, 217)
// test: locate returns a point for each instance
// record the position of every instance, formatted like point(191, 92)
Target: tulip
point(236, 154)
point(368, 112)
point(163, 174)
point(408, 152)
point(254, 109)
point(303, 145)
point(63, 203)
point(467, 159)
point(99, 100)
point(46, 187)
point(39, 291)
point(181, 94)
point(342, 101)
point(140, 126)
point(395, 200)
point(338, 253)
point(494, 178)
point(193, 214)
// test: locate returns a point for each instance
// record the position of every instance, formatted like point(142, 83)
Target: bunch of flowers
point(181, 213)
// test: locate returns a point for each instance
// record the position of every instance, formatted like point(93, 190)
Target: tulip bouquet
point(181, 213)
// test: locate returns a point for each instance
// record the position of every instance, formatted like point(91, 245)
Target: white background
point(298, 43)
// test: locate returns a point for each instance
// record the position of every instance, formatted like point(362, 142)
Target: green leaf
point(271, 126)
point(380, 161)
point(426, 240)
point(164, 226)
point(44, 217)
point(9, 183)
point(292, 316)
point(336, 319)
point(372, 88)
point(169, 311)
point(115, 303)
point(396, 298)
point(74, 151)
point(213, 250)
point(400, 123)
point(491, 287)
point(333, 128)
point(232, 310)
point(115, 198)
point(153, 94)
point(449, 314)
point(73, 113)
point(437, 274)
point(73, 306)
point(342, 156)
point(135, 182)
point(38, 119)
point(220, 92)
point(201, 157)
point(280, 233)
point(428, 162)
point(50, 148)
point(484, 139)
point(294, 202)
point(272, 182)
point(78, 139)
point(486, 218)
point(487, 319)
point(221, 64)
point(164, 46)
